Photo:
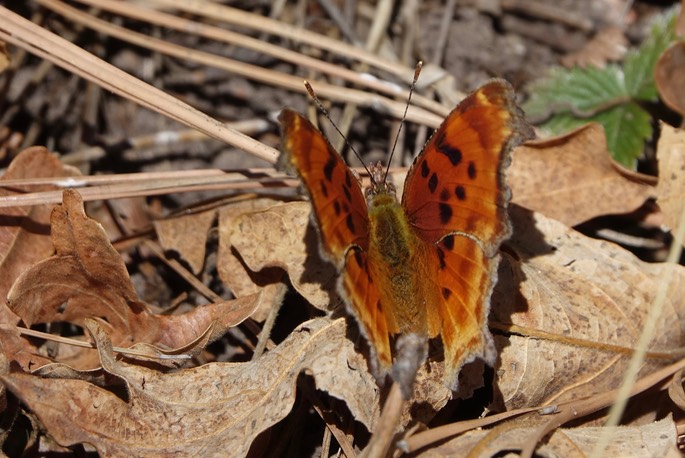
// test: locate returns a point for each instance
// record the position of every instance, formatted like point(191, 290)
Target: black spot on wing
point(446, 293)
point(445, 213)
point(452, 152)
point(349, 222)
point(348, 194)
point(329, 166)
point(460, 192)
point(433, 182)
point(448, 242)
point(324, 189)
point(336, 207)
point(471, 170)
point(425, 170)
point(441, 258)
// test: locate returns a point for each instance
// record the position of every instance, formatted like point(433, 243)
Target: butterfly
point(426, 265)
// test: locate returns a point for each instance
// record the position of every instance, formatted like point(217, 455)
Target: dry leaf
point(87, 278)
point(571, 178)
point(281, 236)
point(25, 240)
point(187, 235)
point(207, 410)
point(656, 439)
point(230, 266)
point(670, 189)
point(669, 75)
point(574, 298)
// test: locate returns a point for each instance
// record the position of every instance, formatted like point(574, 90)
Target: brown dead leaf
point(25, 240)
point(571, 178)
point(281, 236)
point(230, 266)
point(206, 410)
point(655, 439)
point(122, 217)
point(187, 235)
point(580, 305)
point(87, 278)
point(669, 75)
point(670, 189)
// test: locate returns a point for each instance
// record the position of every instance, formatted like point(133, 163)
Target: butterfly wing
point(363, 294)
point(336, 195)
point(455, 198)
point(457, 183)
point(342, 218)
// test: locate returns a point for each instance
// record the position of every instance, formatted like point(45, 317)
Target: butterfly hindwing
point(457, 183)
point(336, 195)
point(364, 298)
point(464, 276)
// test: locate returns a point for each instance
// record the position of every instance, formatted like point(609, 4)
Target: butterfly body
point(426, 265)
point(397, 264)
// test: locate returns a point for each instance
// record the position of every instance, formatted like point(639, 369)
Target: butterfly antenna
point(323, 110)
point(417, 72)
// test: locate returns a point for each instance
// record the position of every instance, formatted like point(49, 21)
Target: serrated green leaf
point(570, 98)
point(639, 64)
point(627, 127)
point(581, 92)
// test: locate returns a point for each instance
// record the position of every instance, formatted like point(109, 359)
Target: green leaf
point(627, 128)
point(639, 64)
point(569, 98)
point(581, 92)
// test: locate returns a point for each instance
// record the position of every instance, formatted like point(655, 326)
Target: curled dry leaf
point(579, 305)
point(670, 189)
point(669, 75)
point(571, 178)
point(206, 410)
point(187, 235)
point(230, 265)
point(25, 240)
point(655, 439)
point(281, 236)
point(87, 278)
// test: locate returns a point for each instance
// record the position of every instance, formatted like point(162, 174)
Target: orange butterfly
point(426, 266)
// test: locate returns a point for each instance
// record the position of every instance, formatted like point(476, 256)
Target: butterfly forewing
point(336, 195)
point(460, 173)
point(342, 219)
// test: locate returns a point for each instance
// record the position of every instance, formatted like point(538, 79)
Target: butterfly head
point(379, 183)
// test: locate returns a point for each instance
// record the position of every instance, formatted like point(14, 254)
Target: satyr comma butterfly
point(427, 265)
